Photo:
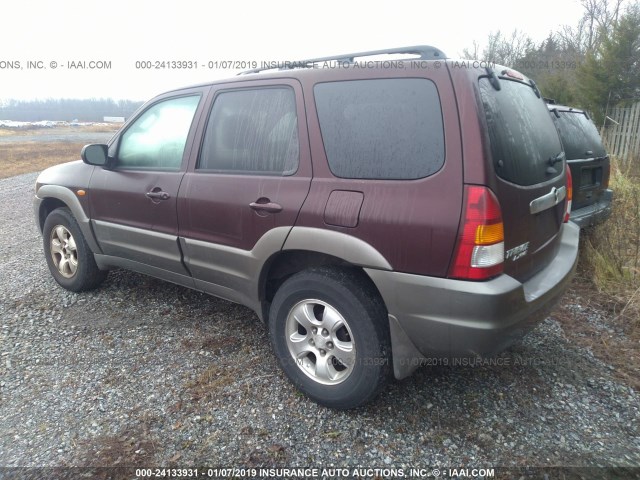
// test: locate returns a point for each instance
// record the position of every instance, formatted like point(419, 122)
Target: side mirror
point(95, 154)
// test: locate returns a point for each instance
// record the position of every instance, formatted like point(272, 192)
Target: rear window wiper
point(535, 88)
point(493, 78)
point(552, 161)
point(558, 158)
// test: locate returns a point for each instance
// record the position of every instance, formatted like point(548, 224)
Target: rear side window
point(381, 129)
point(579, 135)
point(252, 132)
point(522, 137)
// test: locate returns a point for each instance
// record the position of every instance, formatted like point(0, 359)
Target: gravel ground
point(144, 372)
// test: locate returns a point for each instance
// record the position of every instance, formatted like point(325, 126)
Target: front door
point(133, 203)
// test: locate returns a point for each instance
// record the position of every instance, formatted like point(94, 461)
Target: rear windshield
point(579, 135)
point(522, 137)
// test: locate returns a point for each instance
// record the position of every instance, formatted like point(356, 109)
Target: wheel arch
point(51, 197)
point(48, 205)
point(285, 263)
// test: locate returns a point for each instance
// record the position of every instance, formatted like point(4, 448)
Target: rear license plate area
point(590, 177)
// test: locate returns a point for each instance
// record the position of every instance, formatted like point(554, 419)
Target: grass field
point(612, 250)
point(20, 156)
point(24, 157)
point(17, 132)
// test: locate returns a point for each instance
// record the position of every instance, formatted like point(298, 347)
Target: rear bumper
point(595, 213)
point(443, 318)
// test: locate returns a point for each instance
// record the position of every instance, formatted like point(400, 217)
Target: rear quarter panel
point(412, 223)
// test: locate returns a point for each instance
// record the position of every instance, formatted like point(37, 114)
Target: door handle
point(267, 206)
point(551, 199)
point(158, 195)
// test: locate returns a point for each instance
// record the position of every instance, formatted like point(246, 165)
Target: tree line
point(594, 64)
point(82, 110)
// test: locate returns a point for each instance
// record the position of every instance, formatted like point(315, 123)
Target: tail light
point(479, 252)
point(606, 176)
point(567, 212)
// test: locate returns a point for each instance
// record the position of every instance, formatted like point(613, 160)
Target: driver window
point(156, 140)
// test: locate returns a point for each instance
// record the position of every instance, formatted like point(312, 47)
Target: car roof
point(306, 67)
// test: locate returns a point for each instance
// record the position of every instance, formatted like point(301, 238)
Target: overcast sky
point(120, 33)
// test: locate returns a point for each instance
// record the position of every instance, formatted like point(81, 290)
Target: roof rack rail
point(425, 52)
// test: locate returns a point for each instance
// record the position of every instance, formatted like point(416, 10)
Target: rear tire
point(69, 258)
point(330, 332)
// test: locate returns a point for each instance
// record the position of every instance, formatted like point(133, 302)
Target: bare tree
point(574, 39)
point(503, 49)
point(598, 18)
point(472, 53)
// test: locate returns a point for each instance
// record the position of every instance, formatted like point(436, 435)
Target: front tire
point(69, 258)
point(330, 333)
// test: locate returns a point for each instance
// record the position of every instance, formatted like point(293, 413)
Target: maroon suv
point(372, 213)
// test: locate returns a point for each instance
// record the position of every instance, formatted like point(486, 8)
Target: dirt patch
point(212, 381)
point(214, 344)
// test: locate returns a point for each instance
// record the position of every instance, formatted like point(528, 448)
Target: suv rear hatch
point(528, 170)
point(585, 154)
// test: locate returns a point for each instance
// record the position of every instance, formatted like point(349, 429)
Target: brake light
point(512, 74)
point(479, 252)
point(567, 212)
point(606, 176)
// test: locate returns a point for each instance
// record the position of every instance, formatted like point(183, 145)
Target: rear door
point(585, 153)
point(529, 172)
point(246, 184)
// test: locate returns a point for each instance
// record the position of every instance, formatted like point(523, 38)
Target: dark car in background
point(589, 164)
